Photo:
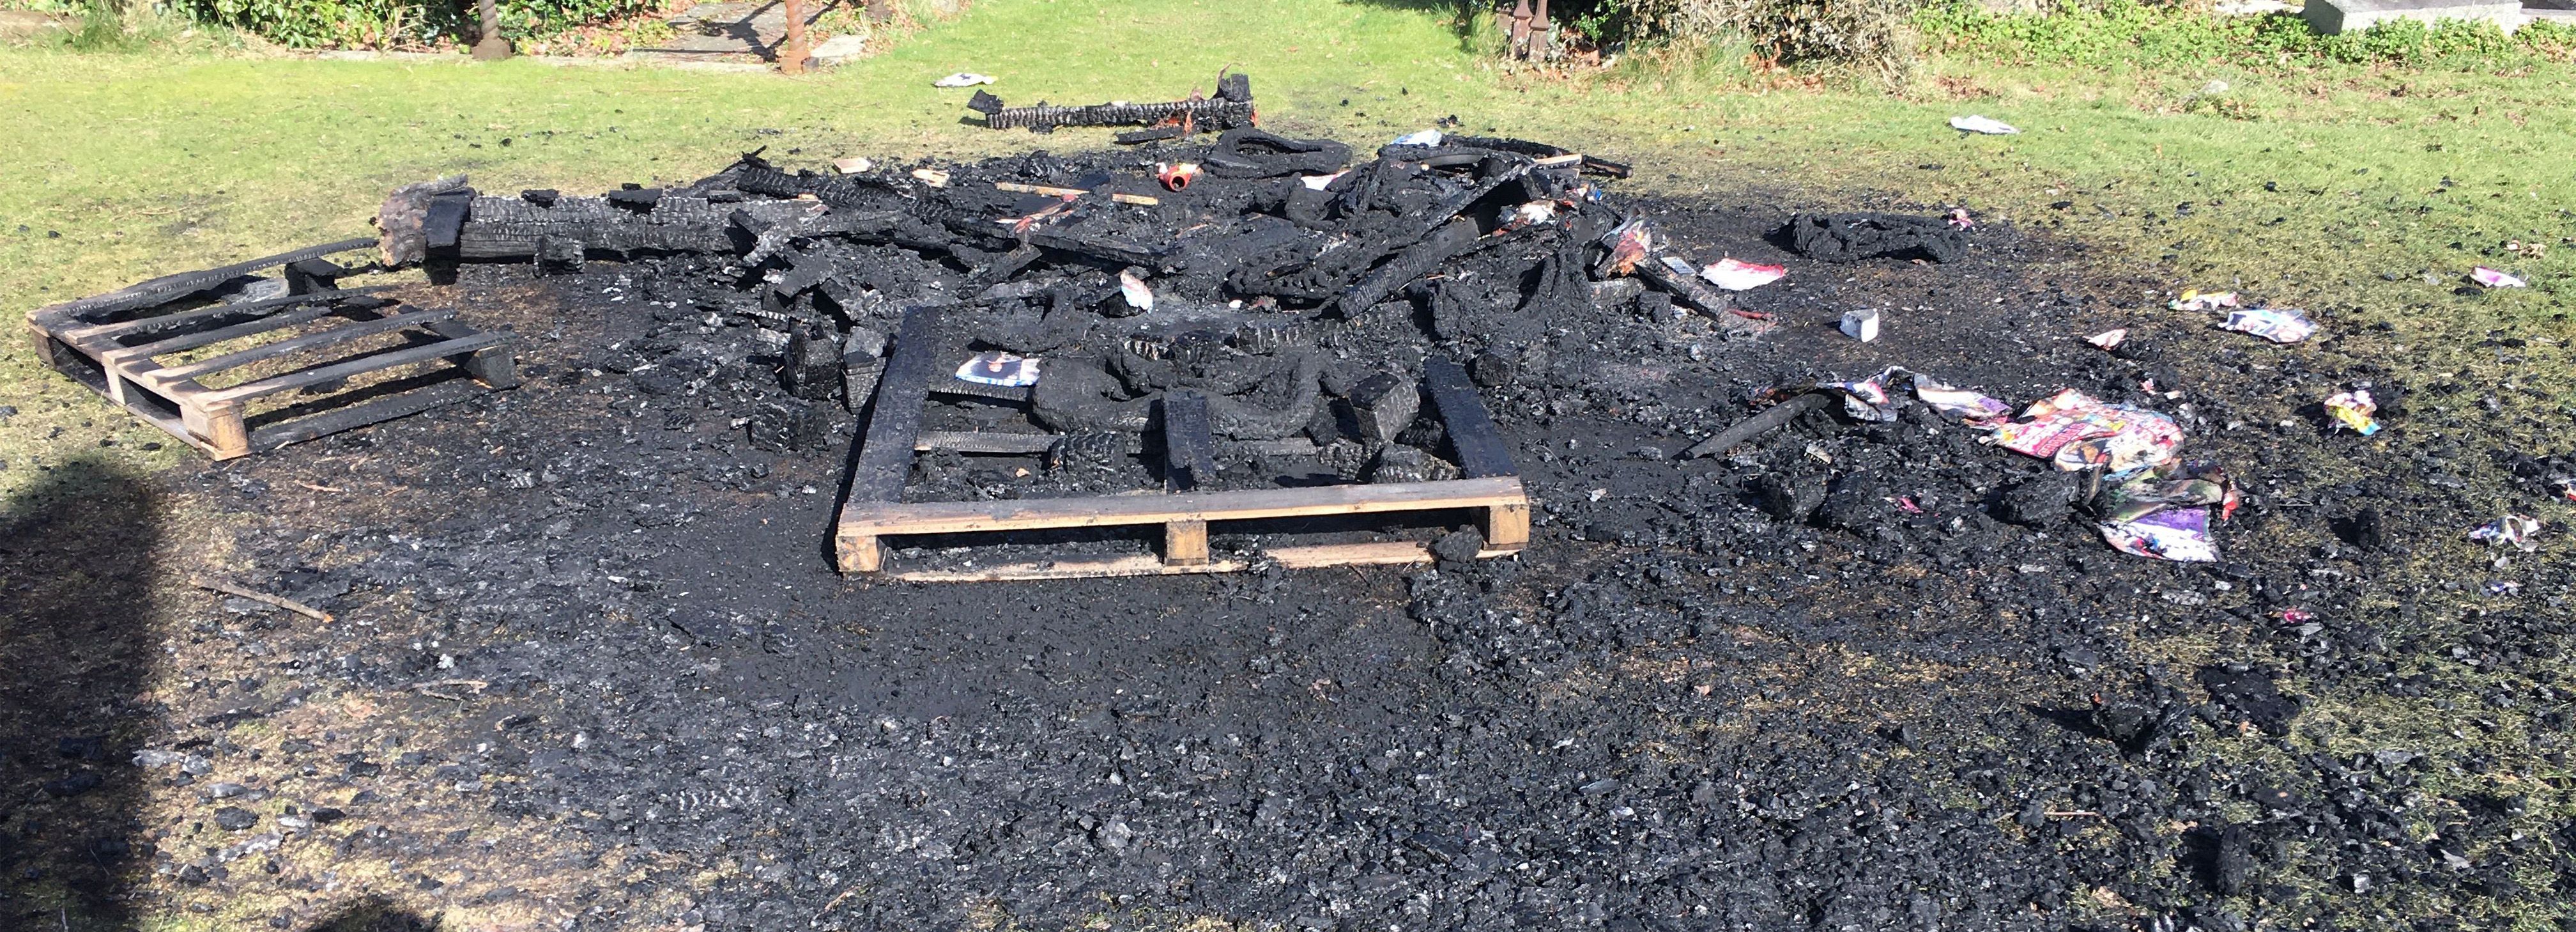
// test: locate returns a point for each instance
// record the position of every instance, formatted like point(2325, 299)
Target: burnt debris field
point(1905, 653)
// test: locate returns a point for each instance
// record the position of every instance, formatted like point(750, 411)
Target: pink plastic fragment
point(2497, 279)
point(1736, 274)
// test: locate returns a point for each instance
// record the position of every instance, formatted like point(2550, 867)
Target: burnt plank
point(173, 286)
point(444, 221)
point(1480, 447)
point(496, 366)
point(144, 353)
point(1446, 242)
point(371, 362)
point(215, 316)
point(330, 338)
point(316, 274)
point(363, 414)
point(884, 462)
point(1189, 447)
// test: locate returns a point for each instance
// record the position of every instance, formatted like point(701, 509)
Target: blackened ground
point(593, 666)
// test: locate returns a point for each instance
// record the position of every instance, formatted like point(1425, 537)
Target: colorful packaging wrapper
point(2203, 300)
point(2171, 484)
point(2515, 530)
point(2278, 325)
point(2353, 410)
point(1000, 369)
point(1867, 400)
point(2077, 433)
point(2179, 535)
point(1958, 403)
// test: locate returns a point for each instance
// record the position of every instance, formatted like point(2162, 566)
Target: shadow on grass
point(76, 564)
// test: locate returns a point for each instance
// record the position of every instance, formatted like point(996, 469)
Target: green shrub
point(101, 29)
point(381, 23)
point(1874, 35)
point(2130, 32)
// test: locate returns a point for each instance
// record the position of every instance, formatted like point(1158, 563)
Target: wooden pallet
point(314, 339)
point(875, 509)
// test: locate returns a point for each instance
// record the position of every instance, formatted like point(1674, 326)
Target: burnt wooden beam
point(985, 442)
point(1447, 242)
point(1480, 447)
point(1189, 447)
point(884, 460)
point(167, 288)
point(1686, 288)
point(1216, 113)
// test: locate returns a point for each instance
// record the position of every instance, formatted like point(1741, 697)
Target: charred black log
point(1231, 107)
point(1851, 237)
point(1252, 153)
point(1451, 240)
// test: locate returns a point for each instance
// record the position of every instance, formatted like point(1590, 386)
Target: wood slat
point(181, 284)
point(334, 336)
point(984, 442)
point(131, 355)
point(872, 520)
point(368, 364)
point(1185, 543)
point(884, 461)
point(1077, 568)
point(365, 412)
point(89, 336)
point(1393, 553)
point(1480, 447)
point(1189, 449)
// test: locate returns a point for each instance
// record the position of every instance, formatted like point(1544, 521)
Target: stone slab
point(2330, 17)
point(22, 23)
point(839, 49)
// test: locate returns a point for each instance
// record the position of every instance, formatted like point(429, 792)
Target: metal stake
point(792, 58)
point(488, 44)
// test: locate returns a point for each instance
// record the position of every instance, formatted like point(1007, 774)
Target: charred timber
point(1231, 107)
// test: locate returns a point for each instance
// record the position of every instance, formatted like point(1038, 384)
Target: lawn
point(2363, 192)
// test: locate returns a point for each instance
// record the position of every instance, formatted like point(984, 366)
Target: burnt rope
point(1778, 417)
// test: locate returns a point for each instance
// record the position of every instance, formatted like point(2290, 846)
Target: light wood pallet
point(116, 343)
point(875, 509)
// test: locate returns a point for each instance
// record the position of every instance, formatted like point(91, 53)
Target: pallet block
point(883, 463)
point(117, 345)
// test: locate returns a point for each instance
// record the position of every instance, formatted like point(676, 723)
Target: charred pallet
point(882, 466)
point(204, 357)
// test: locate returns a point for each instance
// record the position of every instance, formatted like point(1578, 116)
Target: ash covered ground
point(592, 668)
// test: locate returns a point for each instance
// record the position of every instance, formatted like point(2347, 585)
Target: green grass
point(2364, 191)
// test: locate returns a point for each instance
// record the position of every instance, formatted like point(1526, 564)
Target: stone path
point(731, 30)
